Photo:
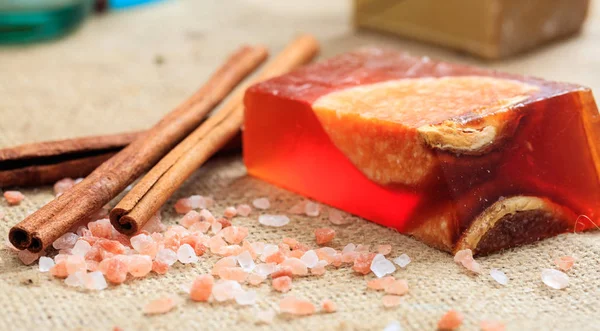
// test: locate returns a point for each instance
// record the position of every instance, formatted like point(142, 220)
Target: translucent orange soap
point(456, 156)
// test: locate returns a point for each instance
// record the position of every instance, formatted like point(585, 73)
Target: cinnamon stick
point(41, 228)
point(147, 196)
point(47, 162)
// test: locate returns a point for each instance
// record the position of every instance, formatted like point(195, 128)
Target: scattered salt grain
point(243, 210)
point(27, 257)
point(75, 279)
point(282, 284)
point(189, 219)
point(13, 197)
point(246, 298)
point(564, 263)
point(298, 208)
point(216, 227)
point(402, 260)
point(397, 287)
point(319, 269)
point(65, 241)
point(382, 266)
point(336, 217)
point(492, 326)
point(139, 265)
point(465, 257)
point(265, 269)
point(45, 264)
point(201, 288)
point(349, 248)
point(261, 203)
point(380, 283)
point(101, 228)
point(499, 276)
point(265, 317)
point(160, 306)
point(328, 306)
point(295, 306)
point(246, 262)
point(555, 279)
point(273, 220)
point(94, 281)
point(230, 212)
point(324, 235)
point(166, 256)
point(384, 249)
point(310, 258)
point(450, 321)
point(312, 209)
point(81, 248)
point(390, 301)
point(393, 326)
point(225, 290)
point(186, 254)
point(255, 279)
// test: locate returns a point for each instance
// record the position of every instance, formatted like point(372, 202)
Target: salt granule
point(75, 263)
point(139, 265)
point(298, 267)
point(298, 208)
point(160, 306)
point(382, 266)
point(349, 248)
point(499, 276)
point(261, 203)
point(225, 290)
point(186, 254)
point(45, 264)
point(310, 258)
point(243, 210)
point(324, 235)
point(94, 281)
point(197, 202)
point(564, 263)
point(166, 256)
point(393, 326)
point(230, 212)
point(27, 257)
point(202, 287)
point(65, 241)
point(13, 197)
point(384, 249)
point(245, 261)
point(336, 217)
point(265, 317)
point(328, 306)
point(292, 305)
point(282, 284)
point(265, 269)
point(390, 301)
point(273, 220)
point(397, 287)
point(450, 321)
point(81, 248)
point(380, 283)
point(402, 260)
point(555, 279)
point(75, 279)
point(492, 326)
point(245, 298)
point(312, 209)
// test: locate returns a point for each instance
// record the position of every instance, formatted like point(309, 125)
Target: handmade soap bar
point(457, 156)
point(487, 28)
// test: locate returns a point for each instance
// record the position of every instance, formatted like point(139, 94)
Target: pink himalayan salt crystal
point(75, 263)
point(243, 210)
point(189, 219)
point(402, 261)
point(261, 203)
point(273, 220)
point(492, 326)
point(276, 257)
point(265, 250)
point(62, 185)
point(115, 269)
point(328, 306)
point(160, 306)
point(59, 270)
point(324, 235)
point(319, 268)
point(298, 208)
point(226, 262)
point(380, 283)
point(295, 306)
point(216, 227)
point(94, 281)
point(397, 287)
point(265, 269)
point(81, 248)
point(101, 228)
point(465, 257)
point(139, 265)
point(65, 241)
point(289, 241)
point(83, 231)
point(224, 222)
point(555, 279)
point(159, 267)
point(337, 218)
point(144, 244)
point(384, 249)
point(248, 247)
point(282, 271)
point(382, 266)
point(184, 205)
point(310, 259)
point(154, 224)
point(282, 284)
point(230, 250)
point(75, 279)
point(166, 256)
point(225, 290)
point(255, 279)
point(298, 267)
point(450, 321)
point(13, 197)
point(202, 288)
point(312, 209)
point(92, 265)
point(499, 276)
point(45, 264)
point(246, 298)
point(230, 212)
point(206, 216)
point(186, 254)
point(245, 261)
point(264, 317)
point(564, 263)
point(200, 227)
point(362, 263)
point(234, 234)
point(27, 257)
point(233, 273)
point(390, 301)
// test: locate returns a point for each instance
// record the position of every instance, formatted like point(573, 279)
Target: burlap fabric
point(105, 78)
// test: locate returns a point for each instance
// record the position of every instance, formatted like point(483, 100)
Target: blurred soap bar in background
point(490, 29)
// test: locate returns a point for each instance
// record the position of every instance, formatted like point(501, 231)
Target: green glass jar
point(25, 21)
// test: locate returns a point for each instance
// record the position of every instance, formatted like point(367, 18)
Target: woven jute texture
point(105, 78)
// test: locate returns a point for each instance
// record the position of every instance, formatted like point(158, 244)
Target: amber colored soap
point(457, 156)
point(486, 28)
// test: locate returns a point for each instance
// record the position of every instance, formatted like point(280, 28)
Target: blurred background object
point(487, 28)
point(26, 21)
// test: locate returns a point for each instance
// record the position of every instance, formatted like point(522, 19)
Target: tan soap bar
point(488, 28)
